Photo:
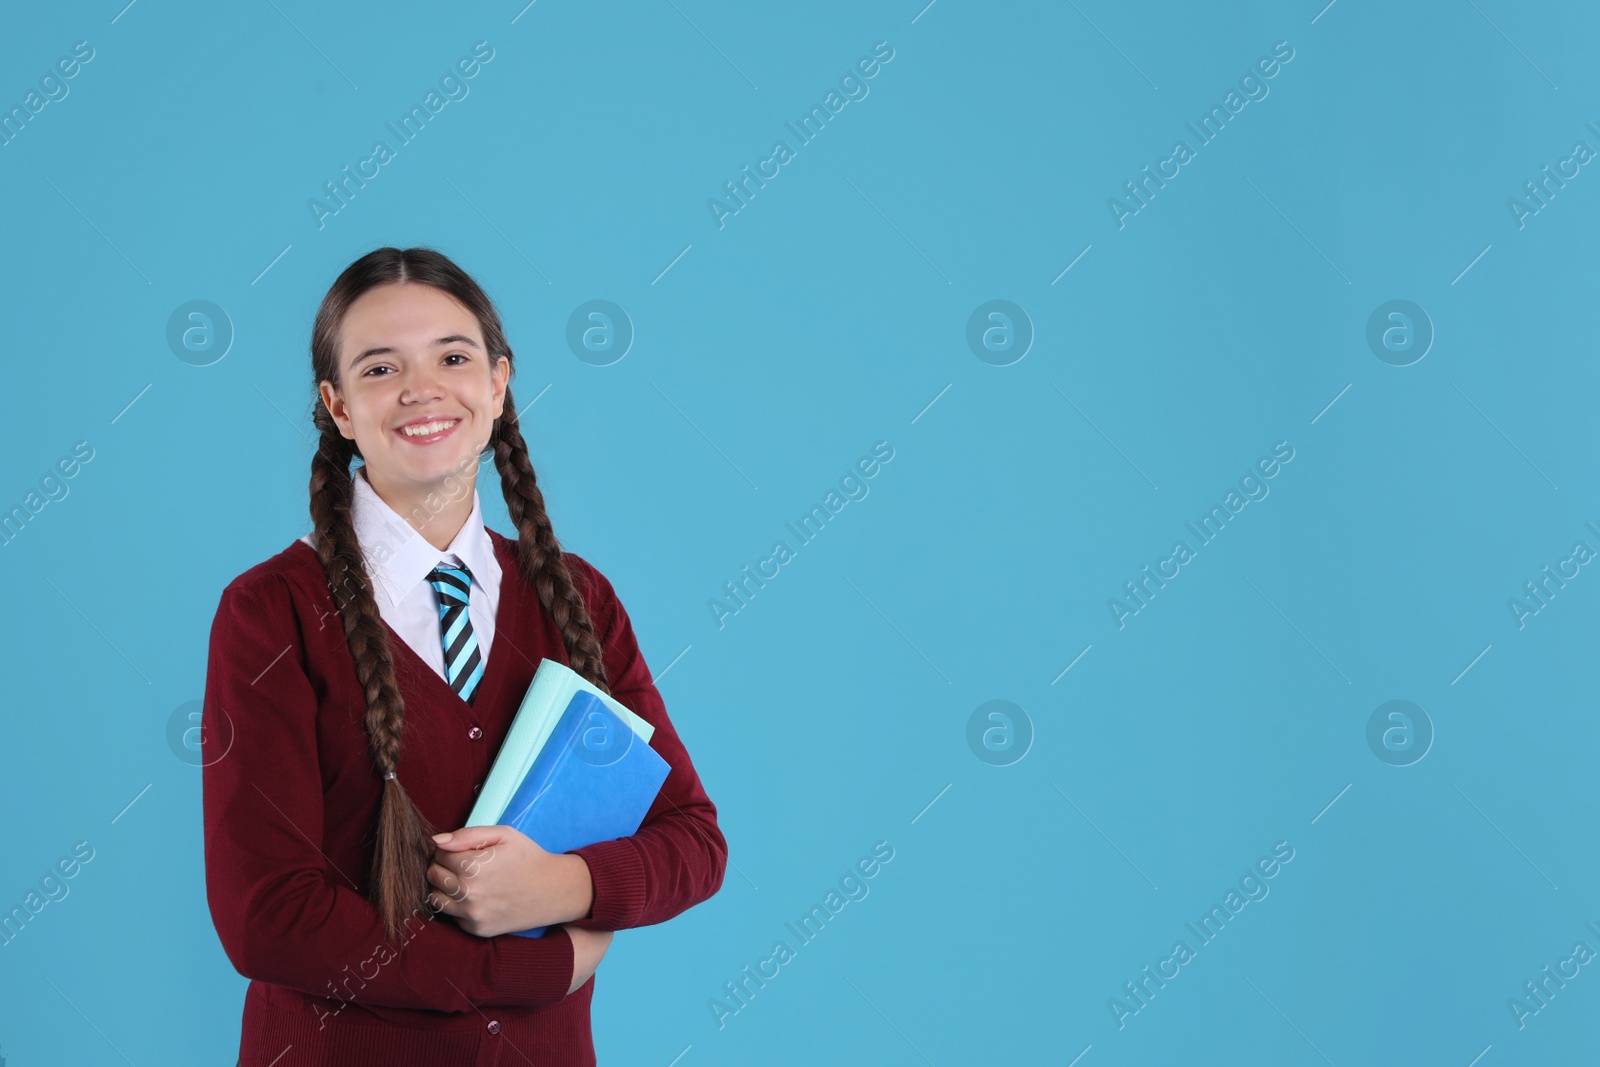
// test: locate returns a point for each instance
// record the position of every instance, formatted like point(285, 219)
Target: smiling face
point(417, 391)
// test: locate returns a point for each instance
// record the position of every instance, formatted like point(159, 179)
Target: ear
point(336, 407)
point(499, 376)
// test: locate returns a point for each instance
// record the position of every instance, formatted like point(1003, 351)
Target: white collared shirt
point(400, 560)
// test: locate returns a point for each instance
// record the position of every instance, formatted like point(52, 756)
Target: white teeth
point(424, 429)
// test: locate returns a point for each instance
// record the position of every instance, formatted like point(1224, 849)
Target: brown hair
point(404, 845)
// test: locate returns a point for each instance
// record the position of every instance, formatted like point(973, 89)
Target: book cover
point(592, 780)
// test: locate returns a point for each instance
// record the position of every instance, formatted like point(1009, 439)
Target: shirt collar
point(399, 556)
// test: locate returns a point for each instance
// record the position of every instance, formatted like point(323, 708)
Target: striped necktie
point(462, 662)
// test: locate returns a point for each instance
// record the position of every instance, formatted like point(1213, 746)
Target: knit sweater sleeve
point(283, 912)
point(677, 857)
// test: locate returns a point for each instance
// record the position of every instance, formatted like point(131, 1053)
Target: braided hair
point(404, 846)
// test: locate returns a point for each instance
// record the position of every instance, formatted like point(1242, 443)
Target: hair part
point(403, 847)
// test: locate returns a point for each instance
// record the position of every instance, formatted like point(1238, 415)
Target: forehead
point(405, 316)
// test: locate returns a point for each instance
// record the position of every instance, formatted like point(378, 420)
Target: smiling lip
point(431, 438)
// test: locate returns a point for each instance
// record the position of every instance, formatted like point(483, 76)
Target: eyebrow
point(454, 338)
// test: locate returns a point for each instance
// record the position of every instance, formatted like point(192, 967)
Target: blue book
point(593, 780)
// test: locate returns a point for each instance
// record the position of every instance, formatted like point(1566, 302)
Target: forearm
point(328, 941)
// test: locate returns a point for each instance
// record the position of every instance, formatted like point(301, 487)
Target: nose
point(420, 385)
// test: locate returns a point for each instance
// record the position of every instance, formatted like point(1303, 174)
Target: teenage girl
point(358, 686)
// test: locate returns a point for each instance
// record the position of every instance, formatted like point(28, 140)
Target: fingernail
point(440, 839)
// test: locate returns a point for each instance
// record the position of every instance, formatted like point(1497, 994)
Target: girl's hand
point(587, 948)
point(495, 879)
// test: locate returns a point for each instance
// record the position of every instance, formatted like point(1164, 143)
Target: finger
point(447, 880)
point(469, 837)
point(443, 905)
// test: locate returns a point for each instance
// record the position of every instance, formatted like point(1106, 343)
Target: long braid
point(404, 845)
point(539, 553)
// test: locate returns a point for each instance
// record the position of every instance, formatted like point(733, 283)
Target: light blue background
point(1229, 314)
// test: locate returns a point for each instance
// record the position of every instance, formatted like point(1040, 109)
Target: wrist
point(580, 884)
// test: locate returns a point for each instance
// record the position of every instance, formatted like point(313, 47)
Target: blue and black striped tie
point(463, 663)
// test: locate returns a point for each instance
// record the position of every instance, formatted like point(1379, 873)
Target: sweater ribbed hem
point(275, 1035)
point(619, 884)
point(540, 969)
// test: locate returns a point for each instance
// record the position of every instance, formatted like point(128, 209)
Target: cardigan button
point(494, 1026)
point(475, 733)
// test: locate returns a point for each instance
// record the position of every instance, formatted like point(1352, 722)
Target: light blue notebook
point(547, 698)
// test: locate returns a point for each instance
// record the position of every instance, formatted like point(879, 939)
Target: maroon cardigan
point(291, 799)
